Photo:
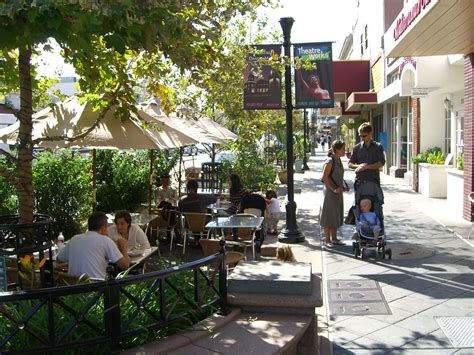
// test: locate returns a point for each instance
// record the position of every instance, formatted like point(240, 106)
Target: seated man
point(194, 202)
point(89, 253)
point(166, 196)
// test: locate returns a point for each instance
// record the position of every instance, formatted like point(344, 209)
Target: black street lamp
point(290, 234)
point(305, 139)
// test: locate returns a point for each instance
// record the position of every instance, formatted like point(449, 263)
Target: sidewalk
point(429, 277)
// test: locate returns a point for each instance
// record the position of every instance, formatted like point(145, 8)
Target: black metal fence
point(113, 314)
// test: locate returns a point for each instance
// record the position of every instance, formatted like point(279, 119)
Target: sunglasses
point(363, 135)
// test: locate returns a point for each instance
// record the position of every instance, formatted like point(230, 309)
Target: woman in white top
point(132, 233)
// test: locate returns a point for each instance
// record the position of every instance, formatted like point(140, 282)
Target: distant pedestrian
point(323, 142)
point(329, 140)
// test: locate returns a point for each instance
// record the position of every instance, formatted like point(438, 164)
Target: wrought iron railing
point(113, 314)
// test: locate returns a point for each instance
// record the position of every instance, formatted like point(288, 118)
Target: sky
point(315, 21)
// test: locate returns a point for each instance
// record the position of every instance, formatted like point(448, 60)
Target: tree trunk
point(26, 198)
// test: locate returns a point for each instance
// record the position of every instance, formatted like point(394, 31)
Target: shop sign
point(262, 82)
point(420, 92)
point(406, 60)
point(406, 19)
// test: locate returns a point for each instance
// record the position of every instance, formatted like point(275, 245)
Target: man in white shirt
point(166, 193)
point(89, 253)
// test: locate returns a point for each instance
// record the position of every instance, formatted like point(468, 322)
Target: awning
point(350, 76)
point(359, 100)
point(432, 27)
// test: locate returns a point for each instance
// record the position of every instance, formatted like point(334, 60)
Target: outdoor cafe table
point(219, 206)
point(235, 221)
point(139, 256)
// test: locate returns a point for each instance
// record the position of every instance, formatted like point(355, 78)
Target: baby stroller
point(365, 240)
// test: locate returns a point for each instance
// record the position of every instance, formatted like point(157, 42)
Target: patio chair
point(161, 223)
point(212, 246)
point(244, 236)
point(194, 224)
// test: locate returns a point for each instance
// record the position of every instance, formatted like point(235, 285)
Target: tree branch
point(9, 156)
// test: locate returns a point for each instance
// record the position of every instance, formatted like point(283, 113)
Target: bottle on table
point(60, 241)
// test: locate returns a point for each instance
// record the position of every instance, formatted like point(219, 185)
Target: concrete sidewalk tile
point(392, 293)
point(412, 304)
point(397, 315)
point(367, 344)
point(342, 337)
point(446, 310)
point(359, 325)
point(439, 293)
point(416, 283)
point(394, 336)
point(419, 323)
point(434, 340)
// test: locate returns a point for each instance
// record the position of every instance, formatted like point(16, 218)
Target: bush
point(63, 187)
point(122, 180)
point(460, 162)
point(423, 157)
point(436, 158)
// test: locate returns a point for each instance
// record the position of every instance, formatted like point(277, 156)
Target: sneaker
point(328, 245)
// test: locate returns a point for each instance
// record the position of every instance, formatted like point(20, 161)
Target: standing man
point(367, 157)
point(90, 253)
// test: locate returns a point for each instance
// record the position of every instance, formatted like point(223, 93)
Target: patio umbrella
point(187, 126)
point(71, 118)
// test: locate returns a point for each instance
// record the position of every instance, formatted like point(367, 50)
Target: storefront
point(433, 105)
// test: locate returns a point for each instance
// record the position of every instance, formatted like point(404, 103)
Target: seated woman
point(132, 233)
point(236, 192)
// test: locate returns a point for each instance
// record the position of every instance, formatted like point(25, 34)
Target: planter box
point(455, 190)
point(432, 180)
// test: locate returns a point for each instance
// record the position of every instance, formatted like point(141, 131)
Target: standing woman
point(332, 214)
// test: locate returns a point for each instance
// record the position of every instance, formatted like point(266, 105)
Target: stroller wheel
point(389, 253)
point(356, 250)
point(362, 253)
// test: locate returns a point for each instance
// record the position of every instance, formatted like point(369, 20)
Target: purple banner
point(262, 83)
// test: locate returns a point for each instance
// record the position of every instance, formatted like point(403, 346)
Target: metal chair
point(212, 246)
point(244, 236)
point(161, 223)
point(194, 224)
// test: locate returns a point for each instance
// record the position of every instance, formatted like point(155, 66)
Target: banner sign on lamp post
point(314, 87)
point(262, 83)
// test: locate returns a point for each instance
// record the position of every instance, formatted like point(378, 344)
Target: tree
point(114, 46)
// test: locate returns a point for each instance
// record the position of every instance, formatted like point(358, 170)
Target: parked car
point(225, 155)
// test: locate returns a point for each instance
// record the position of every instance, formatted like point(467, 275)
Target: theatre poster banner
point(262, 83)
point(314, 83)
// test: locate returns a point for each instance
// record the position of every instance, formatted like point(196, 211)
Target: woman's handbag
point(350, 218)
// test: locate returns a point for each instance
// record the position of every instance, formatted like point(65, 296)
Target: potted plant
point(432, 173)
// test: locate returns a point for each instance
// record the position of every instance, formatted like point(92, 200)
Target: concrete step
point(271, 277)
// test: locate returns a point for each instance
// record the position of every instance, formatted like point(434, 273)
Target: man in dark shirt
point(367, 156)
point(194, 202)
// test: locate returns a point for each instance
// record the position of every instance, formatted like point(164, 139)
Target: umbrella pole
point(150, 180)
point(94, 180)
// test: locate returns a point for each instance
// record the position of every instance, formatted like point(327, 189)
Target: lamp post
point(290, 234)
point(305, 138)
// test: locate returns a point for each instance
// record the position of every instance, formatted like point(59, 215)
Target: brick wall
point(415, 107)
point(468, 133)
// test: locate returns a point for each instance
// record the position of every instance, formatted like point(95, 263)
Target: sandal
point(337, 242)
point(328, 245)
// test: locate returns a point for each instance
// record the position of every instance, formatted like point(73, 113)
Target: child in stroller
point(369, 216)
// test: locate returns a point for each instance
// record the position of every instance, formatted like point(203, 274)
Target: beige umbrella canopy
point(54, 126)
point(187, 126)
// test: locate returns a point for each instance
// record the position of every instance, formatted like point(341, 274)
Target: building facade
point(421, 56)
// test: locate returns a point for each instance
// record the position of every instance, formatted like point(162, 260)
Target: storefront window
point(447, 130)
point(459, 132)
point(394, 117)
point(405, 136)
